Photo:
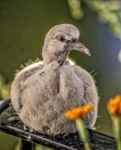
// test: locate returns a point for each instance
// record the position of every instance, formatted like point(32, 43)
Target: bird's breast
point(71, 86)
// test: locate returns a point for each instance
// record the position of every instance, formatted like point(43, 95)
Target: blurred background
point(23, 25)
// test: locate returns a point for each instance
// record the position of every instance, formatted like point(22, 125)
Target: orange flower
point(114, 106)
point(77, 112)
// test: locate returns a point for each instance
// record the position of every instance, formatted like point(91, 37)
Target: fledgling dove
point(40, 94)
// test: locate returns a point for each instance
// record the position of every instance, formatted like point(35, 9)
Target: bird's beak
point(81, 48)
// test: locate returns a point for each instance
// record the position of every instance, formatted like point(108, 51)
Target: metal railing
point(28, 139)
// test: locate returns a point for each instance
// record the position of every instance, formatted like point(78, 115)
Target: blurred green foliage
point(4, 88)
point(107, 11)
point(75, 9)
point(38, 147)
point(7, 142)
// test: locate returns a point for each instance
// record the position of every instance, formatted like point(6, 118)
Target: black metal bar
point(25, 145)
point(4, 104)
point(33, 138)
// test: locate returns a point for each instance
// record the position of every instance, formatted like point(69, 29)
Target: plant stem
point(117, 130)
point(81, 127)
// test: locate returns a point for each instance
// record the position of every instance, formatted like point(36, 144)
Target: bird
point(41, 93)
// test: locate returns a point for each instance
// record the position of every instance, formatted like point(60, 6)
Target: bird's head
point(59, 41)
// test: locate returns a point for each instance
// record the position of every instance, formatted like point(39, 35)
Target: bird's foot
point(27, 128)
point(31, 130)
point(13, 119)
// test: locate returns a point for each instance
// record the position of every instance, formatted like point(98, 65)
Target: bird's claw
point(13, 119)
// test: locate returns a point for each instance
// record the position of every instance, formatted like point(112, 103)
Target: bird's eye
point(74, 40)
point(61, 38)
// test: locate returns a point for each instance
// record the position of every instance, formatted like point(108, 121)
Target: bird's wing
point(18, 83)
point(90, 92)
